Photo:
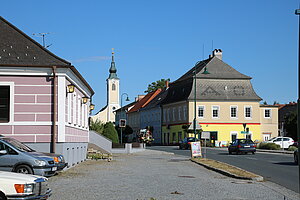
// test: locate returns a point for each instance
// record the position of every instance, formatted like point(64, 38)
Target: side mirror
point(3, 152)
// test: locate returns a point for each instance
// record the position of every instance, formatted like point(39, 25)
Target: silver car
point(16, 157)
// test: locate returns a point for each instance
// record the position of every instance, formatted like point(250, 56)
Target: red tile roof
point(144, 101)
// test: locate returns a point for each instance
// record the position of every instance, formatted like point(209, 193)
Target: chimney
point(167, 84)
point(217, 53)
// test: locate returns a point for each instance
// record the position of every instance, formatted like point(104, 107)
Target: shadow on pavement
point(285, 163)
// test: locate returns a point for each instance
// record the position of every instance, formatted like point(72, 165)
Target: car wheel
point(24, 169)
point(253, 152)
point(2, 196)
point(180, 147)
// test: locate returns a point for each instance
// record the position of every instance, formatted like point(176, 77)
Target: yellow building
point(222, 101)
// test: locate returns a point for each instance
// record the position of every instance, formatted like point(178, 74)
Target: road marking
point(250, 158)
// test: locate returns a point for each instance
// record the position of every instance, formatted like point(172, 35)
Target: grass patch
point(225, 167)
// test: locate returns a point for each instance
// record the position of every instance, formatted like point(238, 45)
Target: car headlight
point(40, 162)
point(24, 188)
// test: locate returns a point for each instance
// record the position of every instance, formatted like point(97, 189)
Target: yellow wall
point(224, 131)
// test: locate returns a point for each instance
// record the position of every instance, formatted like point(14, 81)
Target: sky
point(165, 38)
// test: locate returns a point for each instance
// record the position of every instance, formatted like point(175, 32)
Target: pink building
point(37, 104)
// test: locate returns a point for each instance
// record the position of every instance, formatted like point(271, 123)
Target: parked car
point(186, 142)
point(23, 186)
point(296, 156)
point(284, 142)
point(242, 146)
point(17, 157)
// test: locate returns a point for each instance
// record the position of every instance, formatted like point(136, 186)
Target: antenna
point(212, 45)
point(43, 36)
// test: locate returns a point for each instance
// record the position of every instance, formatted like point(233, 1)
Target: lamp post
point(297, 12)
point(127, 99)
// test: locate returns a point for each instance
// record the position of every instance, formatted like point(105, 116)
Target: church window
point(113, 87)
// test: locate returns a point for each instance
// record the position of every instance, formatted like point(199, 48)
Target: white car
point(23, 186)
point(284, 142)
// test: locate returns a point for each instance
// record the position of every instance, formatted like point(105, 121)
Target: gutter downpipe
point(54, 128)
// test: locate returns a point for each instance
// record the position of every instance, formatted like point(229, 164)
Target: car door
point(8, 160)
point(233, 147)
point(278, 141)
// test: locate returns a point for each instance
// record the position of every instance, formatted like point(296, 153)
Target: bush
point(110, 132)
point(292, 148)
point(97, 126)
point(269, 146)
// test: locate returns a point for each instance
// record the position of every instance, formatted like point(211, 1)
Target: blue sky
point(165, 38)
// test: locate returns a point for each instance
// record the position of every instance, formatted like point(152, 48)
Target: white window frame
point(270, 110)
point(201, 106)
point(233, 133)
point(184, 112)
point(246, 112)
point(179, 113)
point(69, 107)
point(236, 112)
point(212, 112)
point(74, 108)
point(11, 102)
point(173, 114)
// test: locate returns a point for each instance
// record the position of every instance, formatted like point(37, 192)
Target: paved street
point(278, 168)
point(156, 175)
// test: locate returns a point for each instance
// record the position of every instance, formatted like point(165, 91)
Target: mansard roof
point(223, 83)
point(18, 49)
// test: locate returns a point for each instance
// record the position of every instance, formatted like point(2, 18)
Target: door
point(266, 136)
point(279, 141)
point(7, 161)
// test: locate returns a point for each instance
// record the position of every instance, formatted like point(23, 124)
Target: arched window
point(113, 87)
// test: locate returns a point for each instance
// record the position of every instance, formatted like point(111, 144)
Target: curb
point(257, 178)
point(275, 151)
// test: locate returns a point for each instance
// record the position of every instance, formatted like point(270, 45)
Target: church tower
point(113, 96)
point(107, 114)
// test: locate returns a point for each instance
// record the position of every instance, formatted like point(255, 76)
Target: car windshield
point(20, 146)
point(245, 141)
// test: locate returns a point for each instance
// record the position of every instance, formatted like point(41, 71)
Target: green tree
point(155, 85)
point(125, 132)
point(110, 132)
point(97, 126)
point(290, 124)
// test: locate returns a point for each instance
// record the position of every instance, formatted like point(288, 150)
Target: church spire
point(113, 69)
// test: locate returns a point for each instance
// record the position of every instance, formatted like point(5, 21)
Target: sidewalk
point(155, 175)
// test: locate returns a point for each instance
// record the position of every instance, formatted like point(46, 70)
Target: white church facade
point(107, 113)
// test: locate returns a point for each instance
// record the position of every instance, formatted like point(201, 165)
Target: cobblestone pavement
point(154, 175)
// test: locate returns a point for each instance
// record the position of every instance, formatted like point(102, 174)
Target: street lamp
point(297, 12)
point(195, 102)
point(127, 99)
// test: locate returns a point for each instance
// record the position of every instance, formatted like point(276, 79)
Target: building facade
point(107, 114)
point(37, 106)
point(222, 101)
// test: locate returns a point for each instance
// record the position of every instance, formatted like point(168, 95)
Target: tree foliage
point(156, 85)
point(125, 132)
point(110, 132)
point(97, 126)
point(290, 124)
